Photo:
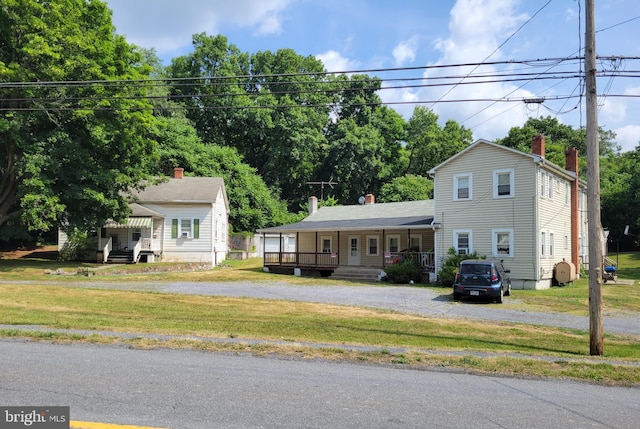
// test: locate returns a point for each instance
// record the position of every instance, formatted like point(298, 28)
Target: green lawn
point(46, 301)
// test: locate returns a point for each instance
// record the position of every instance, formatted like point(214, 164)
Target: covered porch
point(368, 237)
point(137, 239)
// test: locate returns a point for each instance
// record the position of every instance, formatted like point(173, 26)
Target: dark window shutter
point(174, 228)
point(196, 228)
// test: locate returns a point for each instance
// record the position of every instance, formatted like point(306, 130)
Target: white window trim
point(456, 178)
point(322, 239)
point(187, 234)
point(413, 237)
point(552, 244)
point(543, 243)
point(494, 242)
point(456, 233)
point(391, 237)
point(377, 238)
point(512, 174)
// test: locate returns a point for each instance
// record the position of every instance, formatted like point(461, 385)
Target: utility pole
point(596, 331)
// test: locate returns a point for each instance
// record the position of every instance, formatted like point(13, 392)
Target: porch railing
point(315, 259)
point(425, 259)
point(305, 259)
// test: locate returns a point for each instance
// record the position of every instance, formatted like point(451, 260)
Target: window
point(550, 186)
point(415, 243)
point(462, 241)
point(502, 242)
point(326, 244)
point(462, 186)
point(543, 183)
point(543, 238)
point(566, 241)
point(372, 246)
point(393, 243)
point(185, 228)
point(551, 239)
point(567, 193)
point(503, 183)
point(136, 234)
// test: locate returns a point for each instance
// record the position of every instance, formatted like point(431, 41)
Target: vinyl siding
point(529, 214)
point(187, 249)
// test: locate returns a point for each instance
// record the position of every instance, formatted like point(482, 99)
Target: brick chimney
point(178, 173)
point(313, 205)
point(369, 199)
point(571, 164)
point(537, 145)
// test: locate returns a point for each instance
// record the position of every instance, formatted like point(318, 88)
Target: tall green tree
point(558, 138)
point(68, 149)
point(406, 188)
point(428, 144)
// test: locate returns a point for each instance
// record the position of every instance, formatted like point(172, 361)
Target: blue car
point(481, 278)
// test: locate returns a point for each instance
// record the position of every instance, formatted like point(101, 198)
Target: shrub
point(77, 246)
point(404, 272)
point(447, 274)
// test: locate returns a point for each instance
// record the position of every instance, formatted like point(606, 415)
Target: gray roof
point(185, 190)
point(139, 211)
point(402, 215)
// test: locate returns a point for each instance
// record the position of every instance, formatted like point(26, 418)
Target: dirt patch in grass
point(49, 252)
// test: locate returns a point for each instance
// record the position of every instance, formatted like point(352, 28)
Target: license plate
point(474, 293)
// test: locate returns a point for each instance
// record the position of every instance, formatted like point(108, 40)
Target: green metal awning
point(131, 222)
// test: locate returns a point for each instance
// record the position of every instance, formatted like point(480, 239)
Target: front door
point(354, 250)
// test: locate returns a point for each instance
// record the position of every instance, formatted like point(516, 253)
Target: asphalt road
point(186, 389)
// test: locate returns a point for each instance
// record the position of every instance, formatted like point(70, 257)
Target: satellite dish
point(361, 200)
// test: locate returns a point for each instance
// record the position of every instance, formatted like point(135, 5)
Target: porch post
point(297, 248)
point(384, 250)
point(316, 252)
point(280, 249)
point(338, 249)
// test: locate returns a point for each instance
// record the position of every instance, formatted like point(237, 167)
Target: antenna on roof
point(322, 183)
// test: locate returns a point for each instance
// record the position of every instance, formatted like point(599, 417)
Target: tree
point(406, 188)
point(68, 150)
point(558, 138)
point(428, 145)
point(252, 204)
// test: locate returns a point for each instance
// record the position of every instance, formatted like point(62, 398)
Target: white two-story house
point(513, 206)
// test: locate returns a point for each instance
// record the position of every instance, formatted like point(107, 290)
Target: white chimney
point(313, 205)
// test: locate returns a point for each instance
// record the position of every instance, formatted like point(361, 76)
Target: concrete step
point(357, 273)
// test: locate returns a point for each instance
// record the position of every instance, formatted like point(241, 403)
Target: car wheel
point(508, 291)
point(456, 296)
point(500, 297)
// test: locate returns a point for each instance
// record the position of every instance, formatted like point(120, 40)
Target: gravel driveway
point(404, 299)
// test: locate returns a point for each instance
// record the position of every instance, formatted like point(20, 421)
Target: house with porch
point(183, 219)
point(356, 241)
point(490, 199)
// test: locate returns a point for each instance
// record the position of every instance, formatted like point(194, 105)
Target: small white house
point(184, 219)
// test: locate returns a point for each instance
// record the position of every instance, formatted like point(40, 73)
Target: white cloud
point(477, 28)
point(167, 25)
point(405, 51)
point(628, 137)
point(334, 62)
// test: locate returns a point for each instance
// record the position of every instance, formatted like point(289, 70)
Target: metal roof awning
point(131, 222)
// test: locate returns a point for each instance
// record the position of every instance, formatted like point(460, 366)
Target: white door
point(354, 250)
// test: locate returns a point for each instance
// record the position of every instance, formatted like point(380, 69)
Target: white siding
point(526, 212)
point(189, 249)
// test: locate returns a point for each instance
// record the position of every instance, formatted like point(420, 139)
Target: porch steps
point(362, 274)
point(120, 257)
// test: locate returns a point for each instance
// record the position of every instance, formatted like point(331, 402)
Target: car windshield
point(477, 269)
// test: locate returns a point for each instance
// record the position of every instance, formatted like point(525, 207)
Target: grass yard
point(31, 295)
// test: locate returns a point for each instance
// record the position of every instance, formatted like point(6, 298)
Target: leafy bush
point(404, 272)
point(447, 274)
point(77, 246)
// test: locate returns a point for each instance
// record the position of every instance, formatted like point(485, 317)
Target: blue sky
point(381, 34)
